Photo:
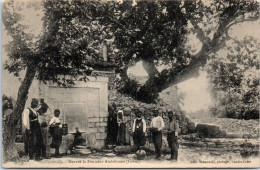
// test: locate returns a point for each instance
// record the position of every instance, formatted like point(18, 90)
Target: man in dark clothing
point(139, 128)
point(112, 126)
point(33, 136)
point(172, 135)
point(45, 148)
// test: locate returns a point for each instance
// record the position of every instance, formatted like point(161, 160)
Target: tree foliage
point(151, 32)
point(234, 79)
point(155, 32)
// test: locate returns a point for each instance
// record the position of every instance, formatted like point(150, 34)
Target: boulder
point(125, 149)
point(207, 130)
point(140, 154)
point(223, 133)
point(191, 126)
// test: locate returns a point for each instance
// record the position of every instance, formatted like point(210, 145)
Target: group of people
point(139, 130)
point(37, 131)
point(157, 127)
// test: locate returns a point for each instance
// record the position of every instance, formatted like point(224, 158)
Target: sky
point(196, 89)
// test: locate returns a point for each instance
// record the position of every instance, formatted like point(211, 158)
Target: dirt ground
point(188, 157)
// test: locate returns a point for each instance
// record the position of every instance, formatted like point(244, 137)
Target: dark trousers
point(26, 142)
point(57, 152)
point(35, 143)
point(173, 145)
point(157, 140)
point(45, 146)
point(121, 138)
point(139, 138)
point(43, 150)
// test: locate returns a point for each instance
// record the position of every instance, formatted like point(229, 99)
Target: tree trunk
point(9, 150)
point(9, 128)
point(149, 67)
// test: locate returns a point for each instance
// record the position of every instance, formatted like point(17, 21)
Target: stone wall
point(84, 106)
point(110, 74)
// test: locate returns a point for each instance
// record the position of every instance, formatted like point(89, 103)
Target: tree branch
point(200, 34)
point(149, 67)
point(148, 92)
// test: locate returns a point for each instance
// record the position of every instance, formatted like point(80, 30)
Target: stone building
point(85, 104)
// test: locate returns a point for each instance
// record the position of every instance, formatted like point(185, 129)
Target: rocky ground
point(230, 125)
point(188, 157)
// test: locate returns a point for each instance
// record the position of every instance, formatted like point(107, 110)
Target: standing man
point(139, 128)
point(112, 125)
point(45, 148)
point(172, 135)
point(157, 125)
point(32, 131)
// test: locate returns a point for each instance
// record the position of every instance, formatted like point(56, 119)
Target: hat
point(34, 100)
point(138, 111)
point(56, 110)
point(170, 112)
point(120, 111)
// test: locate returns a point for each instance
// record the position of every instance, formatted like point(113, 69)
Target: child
point(56, 132)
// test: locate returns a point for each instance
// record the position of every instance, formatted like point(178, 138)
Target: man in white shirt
point(32, 131)
point(157, 124)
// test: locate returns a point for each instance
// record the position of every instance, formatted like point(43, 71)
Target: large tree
point(155, 32)
point(55, 50)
